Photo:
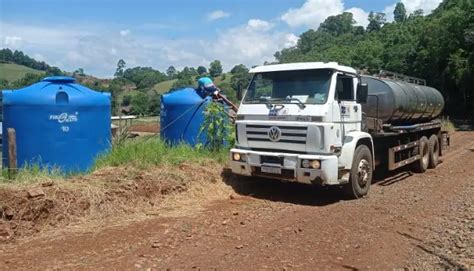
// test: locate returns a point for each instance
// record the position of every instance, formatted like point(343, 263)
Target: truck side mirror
point(239, 92)
point(362, 93)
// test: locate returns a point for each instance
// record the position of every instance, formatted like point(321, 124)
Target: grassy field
point(164, 86)
point(13, 72)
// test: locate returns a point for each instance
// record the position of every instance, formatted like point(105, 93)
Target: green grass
point(152, 151)
point(12, 72)
point(218, 80)
point(30, 174)
point(447, 125)
point(164, 86)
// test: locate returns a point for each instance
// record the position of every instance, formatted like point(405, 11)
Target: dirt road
point(408, 221)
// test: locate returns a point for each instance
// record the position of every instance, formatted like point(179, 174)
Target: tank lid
point(59, 79)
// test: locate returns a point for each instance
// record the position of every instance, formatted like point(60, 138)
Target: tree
point(139, 103)
point(215, 68)
point(339, 24)
point(185, 79)
point(171, 72)
point(417, 13)
point(154, 104)
point(79, 71)
point(126, 100)
point(201, 70)
point(239, 69)
point(18, 57)
point(120, 68)
point(376, 21)
point(400, 13)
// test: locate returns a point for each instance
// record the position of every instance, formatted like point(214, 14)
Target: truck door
point(350, 111)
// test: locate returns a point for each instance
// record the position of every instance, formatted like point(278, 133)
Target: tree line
point(145, 100)
point(438, 47)
point(18, 57)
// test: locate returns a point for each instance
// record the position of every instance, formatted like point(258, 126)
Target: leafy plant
point(217, 127)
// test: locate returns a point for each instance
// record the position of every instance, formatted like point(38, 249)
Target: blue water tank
point(182, 116)
point(58, 124)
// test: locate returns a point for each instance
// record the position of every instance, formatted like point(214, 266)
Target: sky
point(95, 34)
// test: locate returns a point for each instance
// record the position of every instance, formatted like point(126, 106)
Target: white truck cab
point(302, 122)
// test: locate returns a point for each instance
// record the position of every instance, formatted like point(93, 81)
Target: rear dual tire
point(434, 151)
point(429, 151)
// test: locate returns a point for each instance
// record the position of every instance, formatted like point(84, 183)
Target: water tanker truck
point(326, 124)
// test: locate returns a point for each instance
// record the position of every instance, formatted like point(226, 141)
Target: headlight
point(305, 163)
point(315, 164)
point(236, 156)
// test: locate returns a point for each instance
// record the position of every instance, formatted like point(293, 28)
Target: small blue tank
point(182, 116)
point(58, 124)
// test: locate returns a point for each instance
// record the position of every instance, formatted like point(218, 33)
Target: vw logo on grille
point(274, 133)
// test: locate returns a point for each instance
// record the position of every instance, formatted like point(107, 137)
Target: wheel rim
point(363, 171)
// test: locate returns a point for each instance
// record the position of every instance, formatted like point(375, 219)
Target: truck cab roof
point(303, 66)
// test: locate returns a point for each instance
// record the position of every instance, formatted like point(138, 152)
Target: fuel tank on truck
point(399, 102)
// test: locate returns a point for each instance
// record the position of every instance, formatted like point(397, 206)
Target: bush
point(218, 127)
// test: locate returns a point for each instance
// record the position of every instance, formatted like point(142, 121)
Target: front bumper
point(290, 165)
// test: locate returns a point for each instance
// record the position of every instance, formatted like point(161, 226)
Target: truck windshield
point(305, 86)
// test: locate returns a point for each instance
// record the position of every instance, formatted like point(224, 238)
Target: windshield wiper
point(289, 99)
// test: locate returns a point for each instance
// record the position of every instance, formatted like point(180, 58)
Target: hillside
point(12, 72)
point(438, 47)
point(165, 86)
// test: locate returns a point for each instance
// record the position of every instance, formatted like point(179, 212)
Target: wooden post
point(12, 161)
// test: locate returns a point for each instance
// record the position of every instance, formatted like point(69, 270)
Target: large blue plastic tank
point(58, 124)
point(182, 116)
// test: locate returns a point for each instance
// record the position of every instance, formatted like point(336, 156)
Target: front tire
point(361, 173)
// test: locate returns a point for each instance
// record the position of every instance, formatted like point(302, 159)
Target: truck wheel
point(434, 151)
point(361, 173)
point(421, 165)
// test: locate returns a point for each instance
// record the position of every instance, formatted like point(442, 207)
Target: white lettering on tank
point(64, 118)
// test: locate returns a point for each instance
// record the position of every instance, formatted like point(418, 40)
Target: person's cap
point(205, 82)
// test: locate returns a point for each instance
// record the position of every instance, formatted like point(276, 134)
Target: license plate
point(272, 170)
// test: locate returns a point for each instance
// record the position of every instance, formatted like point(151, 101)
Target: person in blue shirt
point(206, 86)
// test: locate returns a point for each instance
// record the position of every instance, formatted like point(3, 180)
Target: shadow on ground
point(302, 194)
point(279, 191)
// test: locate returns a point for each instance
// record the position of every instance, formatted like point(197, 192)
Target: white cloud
point(426, 5)
point(360, 16)
point(290, 40)
point(250, 44)
point(12, 41)
point(259, 25)
point(125, 32)
point(217, 14)
point(312, 13)
point(389, 12)
point(411, 5)
point(98, 49)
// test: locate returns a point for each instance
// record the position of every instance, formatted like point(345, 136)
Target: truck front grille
point(289, 134)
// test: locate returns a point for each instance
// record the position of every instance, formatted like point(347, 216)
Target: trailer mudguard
point(351, 141)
